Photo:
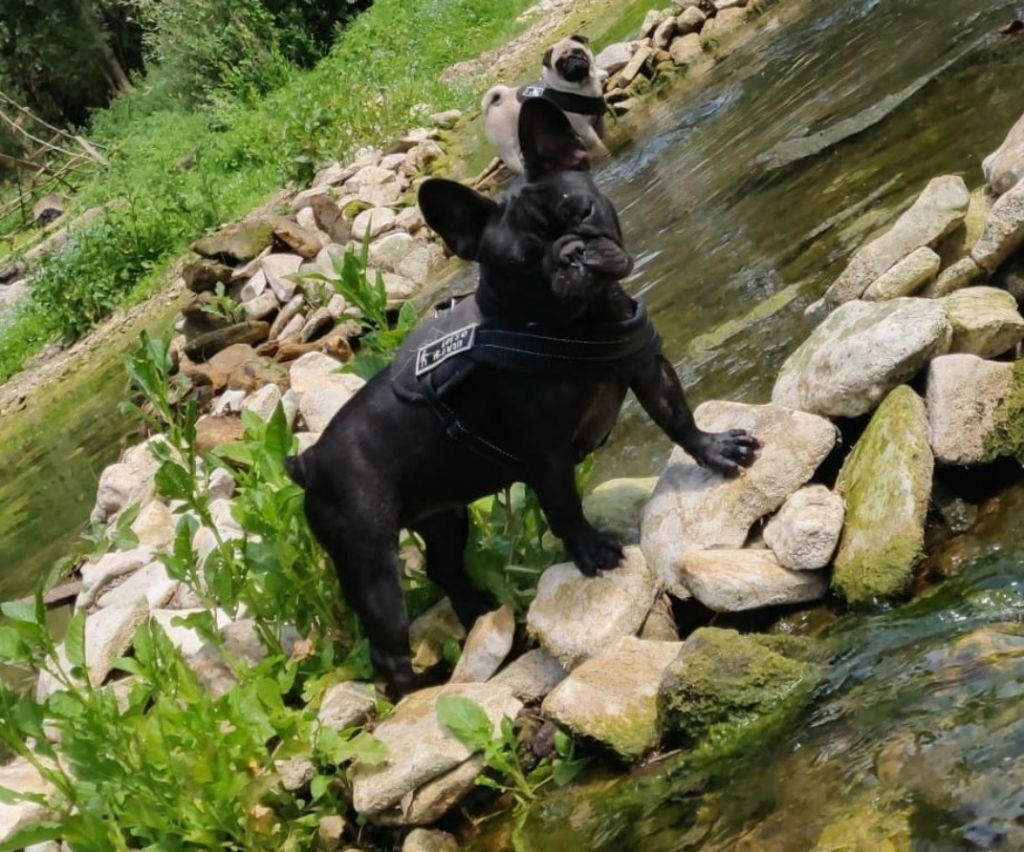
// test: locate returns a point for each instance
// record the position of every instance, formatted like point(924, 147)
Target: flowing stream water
point(742, 195)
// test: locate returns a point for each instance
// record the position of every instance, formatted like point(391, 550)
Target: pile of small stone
point(677, 37)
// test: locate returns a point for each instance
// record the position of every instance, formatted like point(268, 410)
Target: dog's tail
point(295, 467)
point(494, 96)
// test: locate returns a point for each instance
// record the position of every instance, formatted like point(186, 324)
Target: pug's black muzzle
point(574, 68)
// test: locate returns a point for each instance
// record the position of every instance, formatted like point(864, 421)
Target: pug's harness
point(440, 355)
point(565, 101)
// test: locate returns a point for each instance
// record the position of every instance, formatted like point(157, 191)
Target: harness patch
point(454, 343)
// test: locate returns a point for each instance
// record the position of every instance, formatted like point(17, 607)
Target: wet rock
point(203, 276)
point(613, 697)
point(213, 432)
point(737, 580)
point(985, 321)
point(108, 635)
point(423, 752)
point(695, 509)
point(486, 647)
point(603, 608)
point(303, 242)
point(430, 631)
point(938, 211)
point(721, 681)
point(963, 399)
point(429, 840)
point(905, 277)
point(20, 776)
point(277, 268)
point(531, 676)
point(1004, 167)
point(206, 345)
point(860, 353)
point(961, 274)
point(886, 482)
point(804, 534)
point(686, 50)
point(237, 243)
point(615, 506)
point(614, 57)
point(151, 583)
point(126, 483)
point(346, 705)
point(1004, 230)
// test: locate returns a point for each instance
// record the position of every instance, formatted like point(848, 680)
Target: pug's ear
point(546, 61)
point(581, 39)
point(456, 212)
point(547, 140)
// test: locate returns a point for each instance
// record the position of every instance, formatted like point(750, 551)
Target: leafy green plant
point(368, 303)
point(221, 306)
point(471, 726)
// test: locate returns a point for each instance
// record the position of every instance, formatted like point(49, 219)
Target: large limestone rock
point(151, 583)
point(938, 211)
point(1004, 167)
point(154, 525)
point(961, 274)
point(324, 390)
point(613, 697)
point(1004, 230)
point(108, 634)
point(985, 321)
point(963, 398)
point(695, 509)
point(906, 276)
point(737, 580)
point(886, 482)
point(804, 534)
point(575, 617)
point(722, 681)
point(422, 752)
point(21, 776)
point(860, 353)
point(96, 576)
point(487, 646)
point(126, 483)
point(531, 676)
point(347, 704)
point(615, 506)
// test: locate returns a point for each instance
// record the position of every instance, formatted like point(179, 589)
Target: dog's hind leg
point(365, 555)
point(444, 534)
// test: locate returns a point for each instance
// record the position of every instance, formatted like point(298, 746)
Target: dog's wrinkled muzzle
point(581, 267)
point(574, 68)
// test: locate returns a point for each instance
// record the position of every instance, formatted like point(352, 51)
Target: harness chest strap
point(565, 101)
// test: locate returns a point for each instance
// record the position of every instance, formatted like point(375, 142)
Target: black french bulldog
point(522, 381)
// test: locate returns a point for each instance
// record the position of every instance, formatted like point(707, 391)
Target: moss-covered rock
point(615, 506)
point(237, 243)
point(723, 681)
point(1007, 438)
point(886, 482)
point(985, 321)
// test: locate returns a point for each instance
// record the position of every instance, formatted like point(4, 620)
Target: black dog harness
point(444, 351)
point(565, 101)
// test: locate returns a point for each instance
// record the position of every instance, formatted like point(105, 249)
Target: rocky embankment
point(914, 356)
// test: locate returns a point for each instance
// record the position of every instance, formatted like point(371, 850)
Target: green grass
point(384, 66)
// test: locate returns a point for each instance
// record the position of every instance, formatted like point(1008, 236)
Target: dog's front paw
point(597, 552)
point(727, 453)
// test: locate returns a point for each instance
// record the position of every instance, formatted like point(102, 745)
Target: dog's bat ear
point(456, 212)
point(581, 39)
point(546, 61)
point(547, 140)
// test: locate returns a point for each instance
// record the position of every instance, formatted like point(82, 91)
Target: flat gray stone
point(985, 321)
point(1004, 230)
point(905, 277)
point(738, 580)
point(860, 353)
point(531, 676)
point(804, 534)
point(486, 647)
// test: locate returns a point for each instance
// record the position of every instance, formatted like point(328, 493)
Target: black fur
point(549, 251)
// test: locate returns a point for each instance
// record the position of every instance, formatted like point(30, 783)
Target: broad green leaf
point(173, 481)
point(12, 647)
point(20, 611)
point(466, 720)
point(39, 832)
point(566, 770)
point(74, 641)
point(319, 786)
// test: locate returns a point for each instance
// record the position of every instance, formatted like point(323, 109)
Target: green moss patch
point(1007, 438)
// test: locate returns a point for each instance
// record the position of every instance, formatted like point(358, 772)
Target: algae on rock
point(1007, 438)
point(722, 681)
point(886, 482)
